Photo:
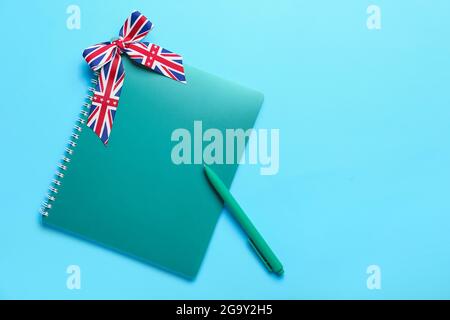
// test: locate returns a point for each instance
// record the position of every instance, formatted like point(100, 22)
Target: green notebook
point(129, 195)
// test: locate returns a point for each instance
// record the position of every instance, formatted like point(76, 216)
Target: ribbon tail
point(158, 59)
point(106, 98)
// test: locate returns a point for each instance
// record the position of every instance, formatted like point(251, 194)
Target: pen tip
point(280, 272)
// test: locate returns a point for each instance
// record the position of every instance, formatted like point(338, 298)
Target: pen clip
point(266, 263)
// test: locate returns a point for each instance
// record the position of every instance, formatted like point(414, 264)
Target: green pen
point(256, 240)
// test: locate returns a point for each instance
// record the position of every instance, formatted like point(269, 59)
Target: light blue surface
point(364, 119)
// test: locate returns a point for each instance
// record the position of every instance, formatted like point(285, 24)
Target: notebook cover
point(129, 195)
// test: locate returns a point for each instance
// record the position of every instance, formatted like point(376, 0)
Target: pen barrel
point(256, 240)
point(255, 237)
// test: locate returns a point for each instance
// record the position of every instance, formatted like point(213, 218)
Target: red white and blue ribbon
point(106, 57)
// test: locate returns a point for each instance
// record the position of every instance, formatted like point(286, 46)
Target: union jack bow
point(106, 57)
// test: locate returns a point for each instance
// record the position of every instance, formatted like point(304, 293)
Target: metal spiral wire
point(69, 150)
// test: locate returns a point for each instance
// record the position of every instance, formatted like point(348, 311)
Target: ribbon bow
point(106, 57)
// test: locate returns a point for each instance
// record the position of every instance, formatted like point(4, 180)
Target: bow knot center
point(119, 44)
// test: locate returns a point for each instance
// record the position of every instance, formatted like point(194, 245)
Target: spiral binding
point(69, 150)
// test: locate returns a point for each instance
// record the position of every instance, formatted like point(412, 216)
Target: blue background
point(364, 119)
